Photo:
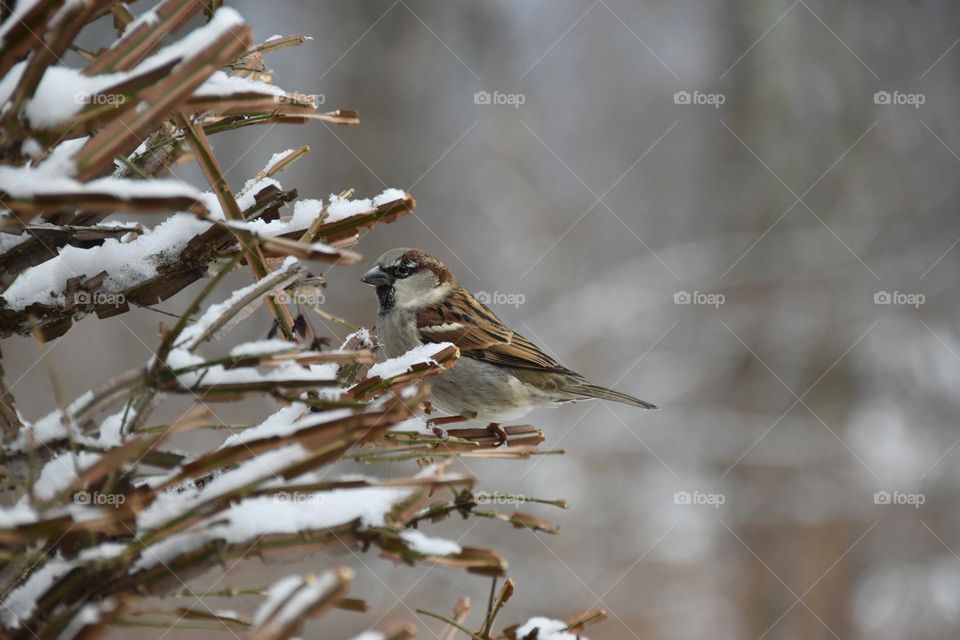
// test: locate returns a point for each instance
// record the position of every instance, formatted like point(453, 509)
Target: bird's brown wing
point(480, 334)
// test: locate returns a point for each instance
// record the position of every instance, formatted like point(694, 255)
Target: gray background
point(597, 200)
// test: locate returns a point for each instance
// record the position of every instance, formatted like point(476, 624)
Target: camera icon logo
point(881, 497)
point(482, 97)
point(682, 297)
point(483, 297)
point(882, 297)
point(682, 497)
point(681, 97)
point(81, 497)
point(882, 97)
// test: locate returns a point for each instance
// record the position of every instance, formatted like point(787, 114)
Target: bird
point(500, 375)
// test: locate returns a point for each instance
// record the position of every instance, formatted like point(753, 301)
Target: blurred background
point(743, 212)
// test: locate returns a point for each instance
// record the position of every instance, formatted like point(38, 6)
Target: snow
point(389, 195)
point(59, 473)
point(110, 435)
point(149, 18)
point(8, 240)
point(220, 84)
point(271, 426)
point(60, 159)
point(20, 603)
point(278, 427)
point(266, 515)
point(416, 423)
point(549, 629)
point(363, 338)
point(401, 364)
point(276, 594)
point(263, 347)
point(103, 551)
point(18, 514)
point(276, 158)
point(21, 8)
point(64, 91)
point(305, 210)
point(178, 501)
point(292, 596)
point(126, 263)
point(194, 334)
point(31, 148)
point(370, 634)
point(180, 359)
point(27, 182)
point(342, 208)
point(48, 427)
point(422, 543)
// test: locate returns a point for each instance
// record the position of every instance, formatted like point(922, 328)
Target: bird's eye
point(402, 270)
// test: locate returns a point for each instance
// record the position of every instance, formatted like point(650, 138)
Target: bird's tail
point(590, 390)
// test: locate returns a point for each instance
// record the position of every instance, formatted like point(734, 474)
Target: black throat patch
point(387, 297)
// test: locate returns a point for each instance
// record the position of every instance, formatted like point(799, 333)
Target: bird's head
point(408, 279)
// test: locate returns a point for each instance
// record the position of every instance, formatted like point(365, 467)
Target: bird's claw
point(497, 431)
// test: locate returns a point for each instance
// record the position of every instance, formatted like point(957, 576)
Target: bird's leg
point(497, 431)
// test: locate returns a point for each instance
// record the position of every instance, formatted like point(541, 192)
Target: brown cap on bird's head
point(396, 262)
point(424, 260)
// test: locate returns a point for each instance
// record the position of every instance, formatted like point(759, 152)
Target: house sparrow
point(500, 375)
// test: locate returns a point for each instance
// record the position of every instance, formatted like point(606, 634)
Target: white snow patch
point(262, 348)
point(401, 364)
point(422, 543)
point(549, 629)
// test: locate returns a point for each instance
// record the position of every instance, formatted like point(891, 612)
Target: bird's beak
point(376, 277)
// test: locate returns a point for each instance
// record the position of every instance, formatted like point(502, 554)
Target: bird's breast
point(398, 333)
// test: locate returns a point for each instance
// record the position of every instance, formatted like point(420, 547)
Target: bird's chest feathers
point(398, 332)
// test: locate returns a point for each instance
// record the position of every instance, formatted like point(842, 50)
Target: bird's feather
point(480, 334)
